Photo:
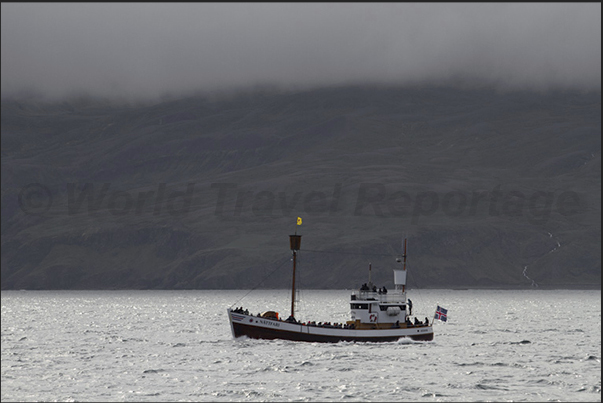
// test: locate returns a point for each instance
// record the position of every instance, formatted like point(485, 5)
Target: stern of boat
point(423, 336)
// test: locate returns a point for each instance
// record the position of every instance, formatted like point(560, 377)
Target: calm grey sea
point(530, 345)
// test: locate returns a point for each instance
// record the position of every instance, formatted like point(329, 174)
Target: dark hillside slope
point(492, 189)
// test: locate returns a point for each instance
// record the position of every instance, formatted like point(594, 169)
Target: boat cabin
point(369, 306)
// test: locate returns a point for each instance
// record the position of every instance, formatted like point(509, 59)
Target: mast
point(400, 274)
point(295, 244)
point(404, 267)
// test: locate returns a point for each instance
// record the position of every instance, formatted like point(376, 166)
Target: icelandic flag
point(441, 314)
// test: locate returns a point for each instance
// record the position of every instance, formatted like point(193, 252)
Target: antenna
point(404, 255)
point(404, 267)
point(400, 274)
point(399, 257)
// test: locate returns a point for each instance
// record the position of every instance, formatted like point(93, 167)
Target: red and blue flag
point(441, 314)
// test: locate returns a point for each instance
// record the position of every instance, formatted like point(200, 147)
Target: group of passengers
point(365, 287)
point(241, 310)
point(410, 323)
point(417, 322)
point(291, 319)
point(331, 325)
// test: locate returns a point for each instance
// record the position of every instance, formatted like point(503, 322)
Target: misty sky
point(147, 50)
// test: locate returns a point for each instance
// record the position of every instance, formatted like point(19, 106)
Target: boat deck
point(390, 296)
point(262, 328)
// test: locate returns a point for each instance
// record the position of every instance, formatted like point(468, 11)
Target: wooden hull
point(260, 328)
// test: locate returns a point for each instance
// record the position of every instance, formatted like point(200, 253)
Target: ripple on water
point(109, 351)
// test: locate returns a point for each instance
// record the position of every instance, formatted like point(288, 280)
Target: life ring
point(373, 318)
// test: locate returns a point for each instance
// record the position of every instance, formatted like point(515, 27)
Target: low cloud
point(141, 51)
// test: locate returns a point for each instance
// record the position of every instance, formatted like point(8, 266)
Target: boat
point(377, 315)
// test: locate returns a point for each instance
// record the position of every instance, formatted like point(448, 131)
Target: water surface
point(531, 345)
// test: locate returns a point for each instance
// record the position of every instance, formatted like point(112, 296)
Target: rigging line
point(300, 306)
point(418, 287)
point(349, 253)
point(261, 281)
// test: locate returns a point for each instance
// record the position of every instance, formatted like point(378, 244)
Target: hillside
point(491, 189)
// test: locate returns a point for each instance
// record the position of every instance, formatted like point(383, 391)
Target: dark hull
point(254, 332)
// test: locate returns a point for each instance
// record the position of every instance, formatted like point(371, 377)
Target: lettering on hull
point(268, 322)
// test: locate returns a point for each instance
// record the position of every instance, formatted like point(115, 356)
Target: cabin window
point(384, 307)
point(359, 306)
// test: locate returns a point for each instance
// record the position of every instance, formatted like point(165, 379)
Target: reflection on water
point(531, 345)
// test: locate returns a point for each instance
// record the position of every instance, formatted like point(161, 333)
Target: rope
point(261, 281)
point(299, 300)
point(314, 251)
point(418, 289)
point(349, 253)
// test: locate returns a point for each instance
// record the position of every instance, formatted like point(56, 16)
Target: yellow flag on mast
point(299, 221)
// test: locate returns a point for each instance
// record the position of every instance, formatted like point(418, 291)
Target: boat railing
point(390, 296)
